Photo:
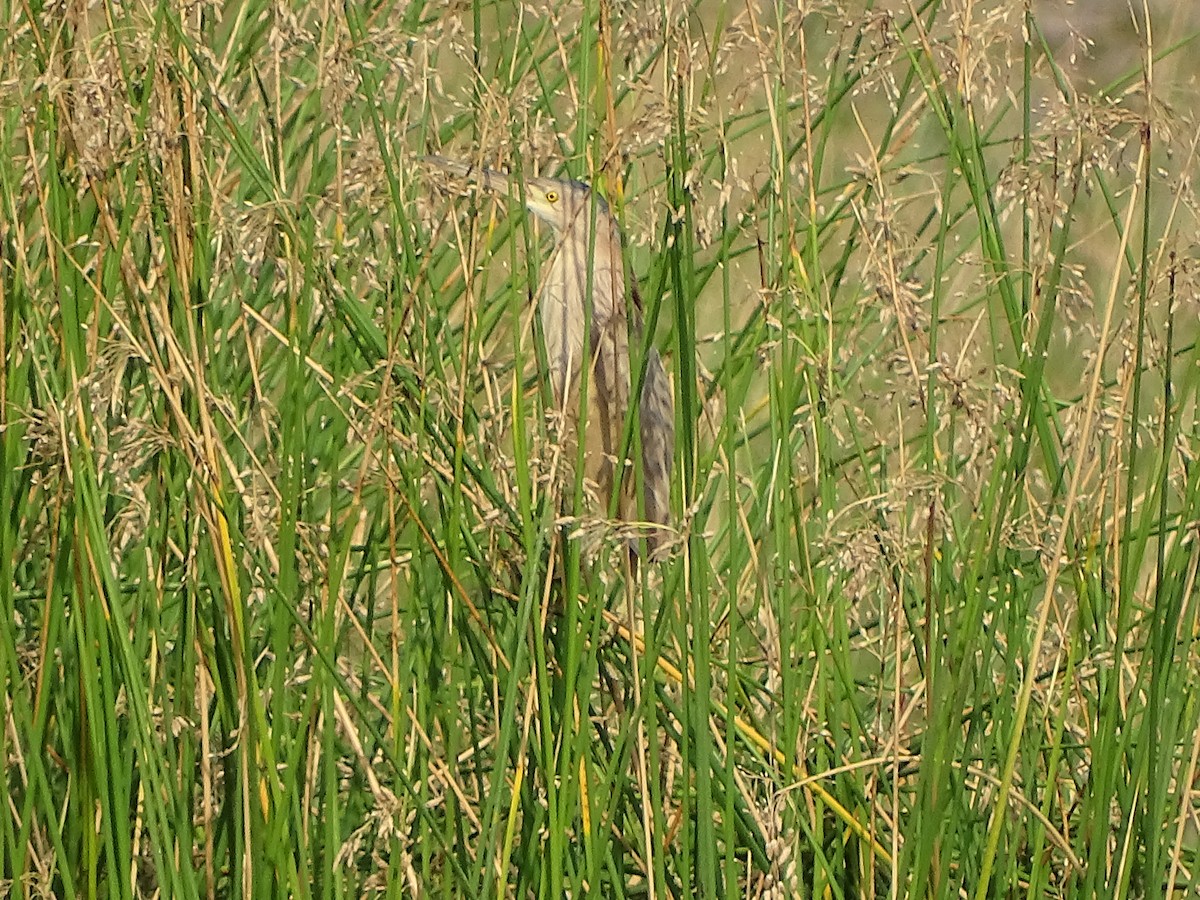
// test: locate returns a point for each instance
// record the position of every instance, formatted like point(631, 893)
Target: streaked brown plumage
point(564, 296)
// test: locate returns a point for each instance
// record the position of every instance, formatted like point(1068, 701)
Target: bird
point(587, 283)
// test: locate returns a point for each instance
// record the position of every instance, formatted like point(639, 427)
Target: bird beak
point(492, 179)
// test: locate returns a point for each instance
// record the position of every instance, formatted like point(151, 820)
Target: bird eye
point(551, 196)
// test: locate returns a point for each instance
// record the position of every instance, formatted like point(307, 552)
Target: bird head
point(560, 202)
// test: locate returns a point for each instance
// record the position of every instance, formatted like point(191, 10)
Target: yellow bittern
point(586, 282)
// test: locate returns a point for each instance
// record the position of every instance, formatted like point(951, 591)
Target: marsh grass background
point(301, 599)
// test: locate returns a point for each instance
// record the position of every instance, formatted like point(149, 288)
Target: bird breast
point(567, 292)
